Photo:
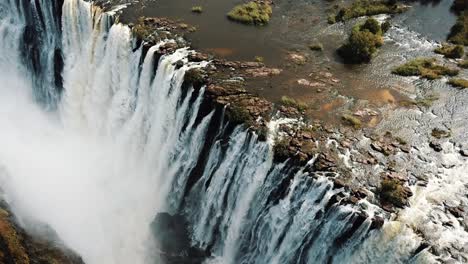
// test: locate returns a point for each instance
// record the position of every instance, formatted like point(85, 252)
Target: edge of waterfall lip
point(301, 141)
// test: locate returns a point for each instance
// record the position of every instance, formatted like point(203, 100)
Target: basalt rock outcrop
point(19, 247)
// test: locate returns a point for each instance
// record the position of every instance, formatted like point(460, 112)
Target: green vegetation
point(421, 102)
point(361, 8)
point(424, 67)
point(362, 43)
point(385, 26)
point(451, 51)
point(251, 13)
point(316, 47)
point(392, 192)
point(259, 59)
point(239, 115)
point(142, 30)
point(197, 9)
point(459, 83)
point(288, 101)
point(459, 32)
point(463, 64)
point(262, 133)
point(352, 121)
point(195, 77)
point(281, 150)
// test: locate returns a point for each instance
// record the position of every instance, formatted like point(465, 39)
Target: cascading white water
point(122, 146)
point(92, 170)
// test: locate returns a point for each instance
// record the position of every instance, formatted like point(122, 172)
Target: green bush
point(385, 26)
point(259, 59)
point(251, 13)
point(372, 26)
point(361, 8)
point(459, 32)
point(362, 43)
point(451, 51)
point(195, 77)
point(197, 9)
point(392, 192)
point(281, 150)
point(424, 67)
point(459, 83)
point(239, 115)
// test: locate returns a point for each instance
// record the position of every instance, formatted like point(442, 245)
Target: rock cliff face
point(19, 247)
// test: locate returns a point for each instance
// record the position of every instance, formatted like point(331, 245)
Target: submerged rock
point(172, 238)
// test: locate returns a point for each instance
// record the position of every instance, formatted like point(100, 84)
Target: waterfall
point(97, 151)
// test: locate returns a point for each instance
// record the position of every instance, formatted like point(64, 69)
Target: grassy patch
point(251, 13)
point(425, 67)
point(459, 32)
point(197, 9)
point(421, 102)
point(352, 121)
point(291, 102)
point(459, 83)
point(362, 43)
point(361, 8)
point(451, 51)
point(392, 192)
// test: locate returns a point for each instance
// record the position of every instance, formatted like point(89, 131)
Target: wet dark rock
point(334, 199)
point(377, 222)
point(424, 245)
point(351, 200)
point(357, 221)
point(464, 151)
point(338, 183)
point(457, 211)
point(325, 162)
point(360, 193)
point(435, 146)
point(173, 241)
point(386, 149)
point(179, 64)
